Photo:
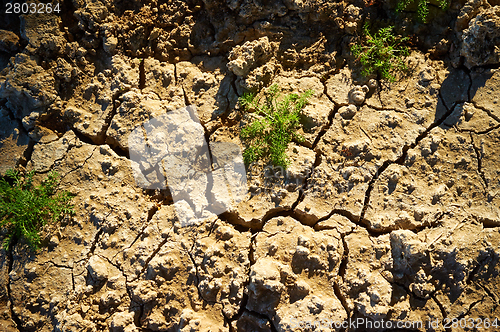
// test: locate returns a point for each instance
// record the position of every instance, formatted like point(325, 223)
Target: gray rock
point(98, 268)
point(481, 41)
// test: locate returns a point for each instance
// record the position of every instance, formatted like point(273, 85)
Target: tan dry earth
point(389, 210)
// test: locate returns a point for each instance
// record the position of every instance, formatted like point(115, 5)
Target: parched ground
point(390, 208)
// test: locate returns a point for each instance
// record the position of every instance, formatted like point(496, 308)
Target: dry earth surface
point(390, 209)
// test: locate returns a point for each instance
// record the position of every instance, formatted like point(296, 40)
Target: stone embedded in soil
point(338, 87)
point(480, 41)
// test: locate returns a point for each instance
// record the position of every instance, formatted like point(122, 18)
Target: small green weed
point(25, 209)
point(382, 54)
point(275, 127)
point(422, 7)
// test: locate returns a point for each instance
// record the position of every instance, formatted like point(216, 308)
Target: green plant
point(382, 53)
point(25, 209)
point(422, 7)
point(277, 121)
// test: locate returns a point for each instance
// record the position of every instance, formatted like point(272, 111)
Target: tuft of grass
point(422, 7)
point(382, 53)
point(275, 126)
point(25, 209)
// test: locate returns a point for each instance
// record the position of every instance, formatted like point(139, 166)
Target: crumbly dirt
point(389, 210)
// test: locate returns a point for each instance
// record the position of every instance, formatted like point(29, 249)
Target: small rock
point(54, 241)
point(358, 94)
point(348, 112)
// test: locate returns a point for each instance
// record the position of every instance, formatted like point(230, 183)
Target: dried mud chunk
point(200, 322)
point(440, 172)
point(122, 322)
point(160, 78)
point(274, 188)
point(337, 222)
point(134, 257)
point(45, 156)
point(27, 87)
point(467, 117)
point(293, 276)
point(485, 91)
point(42, 33)
point(249, 322)
point(75, 322)
point(410, 309)
point(244, 58)
point(353, 152)
point(367, 278)
point(223, 266)
point(207, 85)
point(338, 87)
point(468, 12)
point(90, 108)
point(135, 109)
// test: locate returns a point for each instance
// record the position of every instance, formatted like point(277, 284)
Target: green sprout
point(275, 126)
point(422, 7)
point(381, 54)
point(25, 209)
